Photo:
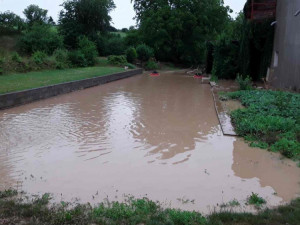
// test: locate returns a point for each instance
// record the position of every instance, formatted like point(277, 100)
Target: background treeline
point(170, 31)
point(184, 32)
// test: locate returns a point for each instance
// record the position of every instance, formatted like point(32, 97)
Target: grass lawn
point(14, 210)
point(271, 120)
point(23, 81)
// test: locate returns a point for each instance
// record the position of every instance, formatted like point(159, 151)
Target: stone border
point(23, 97)
point(224, 119)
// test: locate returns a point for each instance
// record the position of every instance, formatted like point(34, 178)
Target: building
point(284, 72)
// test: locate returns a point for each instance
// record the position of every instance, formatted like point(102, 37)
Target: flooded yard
point(155, 137)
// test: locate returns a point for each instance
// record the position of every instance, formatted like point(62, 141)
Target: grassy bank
point(271, 120)
point(18, 82)
point(15, 210)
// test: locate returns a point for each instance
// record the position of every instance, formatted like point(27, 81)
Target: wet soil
point(156, 137)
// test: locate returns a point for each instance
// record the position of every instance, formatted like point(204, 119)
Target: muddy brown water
point(155, 137)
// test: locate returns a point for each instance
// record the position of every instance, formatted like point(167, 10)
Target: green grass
point(18, 82)
point(16, 210)
point(271, 120)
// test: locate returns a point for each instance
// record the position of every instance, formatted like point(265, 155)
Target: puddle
point(155, 137)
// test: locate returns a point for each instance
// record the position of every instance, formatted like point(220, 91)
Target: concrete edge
point(13, 99)
point(224, 119)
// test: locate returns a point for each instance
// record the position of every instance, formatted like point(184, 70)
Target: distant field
point(18, 82)
point(122, 34)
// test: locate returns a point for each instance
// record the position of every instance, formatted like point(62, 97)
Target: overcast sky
point(122, 16)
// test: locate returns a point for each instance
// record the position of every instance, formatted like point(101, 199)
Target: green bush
point(131, 54)
point(77, 58)
point(115, 46)
point(130, 66)
point(16, 57)
point(40, 37)
point(288, 148)
point(245, 82)
point(119, 60)
point(88, 49)
point(62, 58)
point(144, 52)
point(151, 65)
point(225, 65)
point(39, 57)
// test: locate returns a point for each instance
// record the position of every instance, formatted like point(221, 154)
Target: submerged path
point(145, 136)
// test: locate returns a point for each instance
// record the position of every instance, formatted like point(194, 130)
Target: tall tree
point(84, 17)
point(10, 21)
point(178, 29)
point(35, 14)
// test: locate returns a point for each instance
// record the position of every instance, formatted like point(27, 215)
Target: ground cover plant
point(17, 81)
point(270, 120)
point(15, 209)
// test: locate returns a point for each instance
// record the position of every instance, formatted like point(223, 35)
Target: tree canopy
point(178, 29)
point(35, 14)
point(84, 17)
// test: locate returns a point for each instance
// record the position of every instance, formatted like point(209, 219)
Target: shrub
point(144, 52)
point(245, 82)
point(225, 65)
point(16, 57)
point(40, 37)
point(39, 57)
point(88, 49)
point(77, 58)
point(115, 46)
point(151, 65)
point(61, 58)
point(118, 60)
point(131, 54)
point(130, 66)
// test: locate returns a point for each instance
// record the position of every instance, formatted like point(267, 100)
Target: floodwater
point(155, 137)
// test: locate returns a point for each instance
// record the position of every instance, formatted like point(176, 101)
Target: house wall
point(286, 55)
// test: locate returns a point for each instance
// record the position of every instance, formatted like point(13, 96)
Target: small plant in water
point(256, 200)
point(8, 193)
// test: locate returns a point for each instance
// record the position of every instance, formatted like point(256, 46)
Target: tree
point(177, 30)
point(11, 22)
point(35, 14)
point(84, 17)
point(40, 37)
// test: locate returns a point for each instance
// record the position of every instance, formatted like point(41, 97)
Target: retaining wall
point(23, 97)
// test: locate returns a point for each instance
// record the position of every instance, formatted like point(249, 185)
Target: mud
point(156, 137)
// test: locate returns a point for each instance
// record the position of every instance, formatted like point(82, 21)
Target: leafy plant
point(131, 54)
point(88, 49)
point(144, 52)
point(16, 57)
point(151, 65)
point(130, 66)
point(62, 58)
point(256, 200)
point(39, 57)
point(118, 60)
point(245, 82)
point(77, 58)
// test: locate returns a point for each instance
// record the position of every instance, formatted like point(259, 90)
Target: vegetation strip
point(271, 120)
point(17, 210)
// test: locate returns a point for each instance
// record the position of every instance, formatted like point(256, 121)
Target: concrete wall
point(27, 96)
point(286, 74)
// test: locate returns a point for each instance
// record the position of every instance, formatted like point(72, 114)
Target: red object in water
point(198, 76)
point(154, 74)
